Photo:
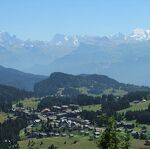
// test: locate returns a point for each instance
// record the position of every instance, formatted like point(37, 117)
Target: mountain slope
point(18, 79)
point(124, 62)
point(125, 57)
point(27, 55)
point(10, 94)
point(66, 84)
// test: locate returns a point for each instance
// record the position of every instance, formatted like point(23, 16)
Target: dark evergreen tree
point(111, 139)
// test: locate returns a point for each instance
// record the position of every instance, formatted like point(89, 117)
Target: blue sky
point(41, 19)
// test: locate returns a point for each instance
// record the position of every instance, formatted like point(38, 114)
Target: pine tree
point(111, 139)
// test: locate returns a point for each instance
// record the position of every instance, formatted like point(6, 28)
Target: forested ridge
point(66, 84)
point(10, 94)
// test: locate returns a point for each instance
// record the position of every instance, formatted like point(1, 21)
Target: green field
point(138, 144)
point(83, 90)
point(3, 117)
point(82, 143)
point(91, 107)
point(30, 103)
point(115, 92)
point(136, 107)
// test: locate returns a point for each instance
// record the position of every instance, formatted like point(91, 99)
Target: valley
point(74, 74)
point(75, 120)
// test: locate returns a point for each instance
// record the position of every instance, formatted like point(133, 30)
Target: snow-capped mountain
point(140, 34)
point(61, 40)
point(65, 40)
point(6, 39)
point(116, 55)
point(30, 54)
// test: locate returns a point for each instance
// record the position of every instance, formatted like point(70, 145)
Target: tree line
point(9, 132)
point(141, 116)
point(10, 94)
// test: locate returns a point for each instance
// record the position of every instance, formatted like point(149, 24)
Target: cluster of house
point(130, 127)
point(57, 112)
point(82, 127)
point(124, 125)
point(138, 101)
point(61, 109)
point(66, 117)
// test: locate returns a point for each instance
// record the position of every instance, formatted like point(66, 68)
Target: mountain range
point(125, 57)
point(18, 79)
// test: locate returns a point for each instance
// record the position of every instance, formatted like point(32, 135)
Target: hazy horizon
point(42, 20)
point(102, 37)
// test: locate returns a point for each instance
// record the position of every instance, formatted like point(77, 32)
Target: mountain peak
point(140, 34)
point(65, 40)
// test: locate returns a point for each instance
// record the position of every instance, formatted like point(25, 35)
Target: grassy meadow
point(3, 117)
point(91, 107)
point(77, 142)
point(29, 103)
point(61, 143)
point(136, 106)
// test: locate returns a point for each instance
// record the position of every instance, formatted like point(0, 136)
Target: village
point(66, 121)
point(60, 121)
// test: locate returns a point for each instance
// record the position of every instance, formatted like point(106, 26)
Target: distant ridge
point(67, 85)
point(18, 79)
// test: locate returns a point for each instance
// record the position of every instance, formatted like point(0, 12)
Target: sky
point(42, 19)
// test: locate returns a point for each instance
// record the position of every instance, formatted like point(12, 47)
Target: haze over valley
point(115, 55)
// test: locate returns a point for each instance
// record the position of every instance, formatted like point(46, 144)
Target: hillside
point(66, 84)
point(10, 94)
point(18, 79)
point(114, 60)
